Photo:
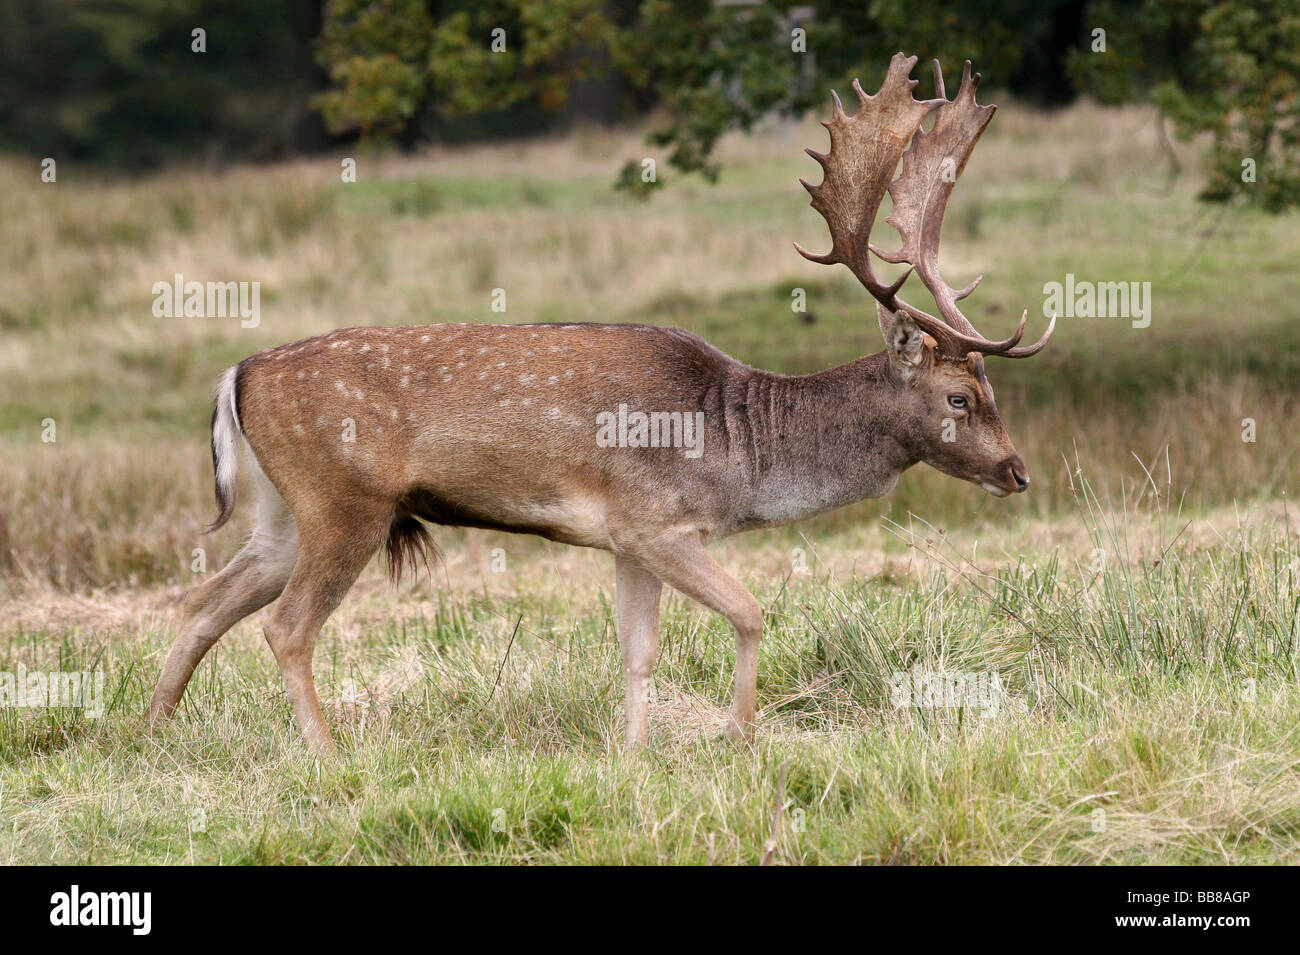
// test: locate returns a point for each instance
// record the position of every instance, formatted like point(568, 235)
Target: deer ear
point(904, 339)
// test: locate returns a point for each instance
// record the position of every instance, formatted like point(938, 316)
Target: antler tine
point(837, 110)
point(1028, 351)
point(969, 288)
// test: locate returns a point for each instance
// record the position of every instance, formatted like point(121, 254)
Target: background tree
point(401, 65)
point(1228, 69)
point(117, 81)
point(397, 64)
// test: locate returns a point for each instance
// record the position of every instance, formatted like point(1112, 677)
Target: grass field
point(1139, 606)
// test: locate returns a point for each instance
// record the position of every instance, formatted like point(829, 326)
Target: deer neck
point(820, 441)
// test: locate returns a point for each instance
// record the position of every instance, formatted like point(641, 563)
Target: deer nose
point(1018, 473)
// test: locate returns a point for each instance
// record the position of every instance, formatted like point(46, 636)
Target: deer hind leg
point(334, 545)
point(254, 578)
point(686, 566)
point(637, 596)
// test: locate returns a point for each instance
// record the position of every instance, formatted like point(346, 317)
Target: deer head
point(943, 400)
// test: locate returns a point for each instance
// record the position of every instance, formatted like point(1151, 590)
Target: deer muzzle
point(1009, 477)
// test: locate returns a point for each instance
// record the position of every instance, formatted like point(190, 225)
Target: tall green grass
point(1147, 714)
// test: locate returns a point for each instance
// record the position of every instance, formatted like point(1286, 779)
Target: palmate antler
point(865, 149)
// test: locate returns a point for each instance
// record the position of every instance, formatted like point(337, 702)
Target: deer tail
point(225, 446)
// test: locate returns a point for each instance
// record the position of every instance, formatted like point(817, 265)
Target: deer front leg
point(686, 566)
point(637, 597)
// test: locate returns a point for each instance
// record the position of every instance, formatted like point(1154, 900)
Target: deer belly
point(571, 518)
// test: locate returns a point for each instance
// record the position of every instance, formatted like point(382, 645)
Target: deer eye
point(958, 402)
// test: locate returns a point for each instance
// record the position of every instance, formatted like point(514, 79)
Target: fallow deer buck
point(496, 426)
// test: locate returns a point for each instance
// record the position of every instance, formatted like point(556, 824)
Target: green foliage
point(1225, 68)
point(709, 68)
point(1229, 69)
point(714, 67)
point(633, 182)
point(375, 54)
point(393, 61)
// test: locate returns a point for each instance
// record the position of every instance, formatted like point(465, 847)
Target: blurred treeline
point(116, 81)
point(120, 81)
